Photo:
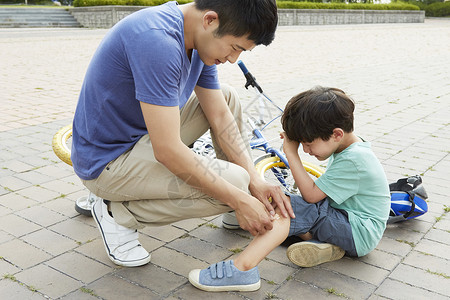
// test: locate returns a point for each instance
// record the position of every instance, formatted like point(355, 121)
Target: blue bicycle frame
point(259, 141)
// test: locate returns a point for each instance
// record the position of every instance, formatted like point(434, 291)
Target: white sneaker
point(229, 221)
point(121, 243)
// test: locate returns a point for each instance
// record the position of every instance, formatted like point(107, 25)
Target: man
point(136, 116)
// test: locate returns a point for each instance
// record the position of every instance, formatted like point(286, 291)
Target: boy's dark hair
point(316, 112)
point(257, 18)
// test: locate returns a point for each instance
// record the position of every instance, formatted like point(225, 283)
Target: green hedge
point(78, 3)
point(314, 5)
point(433, 8)
point(280, 4)
point(30, 2)
point(439, 9)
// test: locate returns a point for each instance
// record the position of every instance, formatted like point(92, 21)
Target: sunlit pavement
point(398, 75)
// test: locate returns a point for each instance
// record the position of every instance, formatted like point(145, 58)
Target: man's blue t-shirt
point(355, 182)
point(143, 58)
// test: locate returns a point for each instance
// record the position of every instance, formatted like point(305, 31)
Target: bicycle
point(407, 202)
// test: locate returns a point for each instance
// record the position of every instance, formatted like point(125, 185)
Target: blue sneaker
point(223, 277)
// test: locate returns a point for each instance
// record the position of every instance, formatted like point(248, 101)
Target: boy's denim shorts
point(325, 223)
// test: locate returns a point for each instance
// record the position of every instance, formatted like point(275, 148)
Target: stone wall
point(107, 16)
point(102, 16)
point(347, 16)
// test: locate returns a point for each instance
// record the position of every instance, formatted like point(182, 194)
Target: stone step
point(39, 25)
point(36, 17)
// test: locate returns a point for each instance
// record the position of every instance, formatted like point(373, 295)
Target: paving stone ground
point(399, 76)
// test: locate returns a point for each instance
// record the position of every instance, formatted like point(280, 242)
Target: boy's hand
point(289, 146)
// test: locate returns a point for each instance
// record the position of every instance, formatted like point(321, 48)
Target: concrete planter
point(293, 17)
point(107, 16)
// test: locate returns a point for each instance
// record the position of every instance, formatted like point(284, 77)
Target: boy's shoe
point(229, 221)
point(121, 243)
point(224, 276)
point(310, 254)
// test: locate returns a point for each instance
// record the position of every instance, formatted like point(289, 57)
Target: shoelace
point(218, 269)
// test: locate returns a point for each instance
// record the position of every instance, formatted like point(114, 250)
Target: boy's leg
point(323, 222)
point(262, 245)
point(329, 228)
point(242, 273)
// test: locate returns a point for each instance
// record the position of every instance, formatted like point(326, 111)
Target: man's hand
point(253, 216)
point(264, 191)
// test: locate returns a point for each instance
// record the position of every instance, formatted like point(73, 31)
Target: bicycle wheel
point(280, 174)
point(59, 144)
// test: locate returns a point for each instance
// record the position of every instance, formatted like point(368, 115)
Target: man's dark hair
point(257, 18)
point(316, 112)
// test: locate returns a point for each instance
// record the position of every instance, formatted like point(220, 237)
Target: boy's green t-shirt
point(355, 182)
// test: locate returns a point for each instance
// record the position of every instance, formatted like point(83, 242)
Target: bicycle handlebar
point(251, 80)
point(243, 67)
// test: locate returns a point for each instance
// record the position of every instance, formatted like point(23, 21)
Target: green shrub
point(421, 4)
point(296, 4)
point(433, 8)
point(313, 5)
point(78, 3)
point(329, 1)
point(30, 2)
point(316, 1)
point(438, 9)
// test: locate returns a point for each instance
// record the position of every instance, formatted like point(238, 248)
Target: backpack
point(407, 199)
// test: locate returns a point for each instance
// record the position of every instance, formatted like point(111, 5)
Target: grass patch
point(13, 278)
point(88, 291)
point(438, 274)
point(406, 242)
point(235, 250)
point(211, 225)
point(336, 293)
point(446, 208)
point(270, 295)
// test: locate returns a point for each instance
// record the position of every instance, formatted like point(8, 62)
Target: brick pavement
point(397, 73)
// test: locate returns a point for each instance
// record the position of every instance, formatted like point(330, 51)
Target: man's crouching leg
point(176, 201)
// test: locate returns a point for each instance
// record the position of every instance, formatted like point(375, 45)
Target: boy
point(343, 211)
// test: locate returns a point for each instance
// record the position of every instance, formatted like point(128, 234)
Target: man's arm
point(229, 138)
point(163, 125)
